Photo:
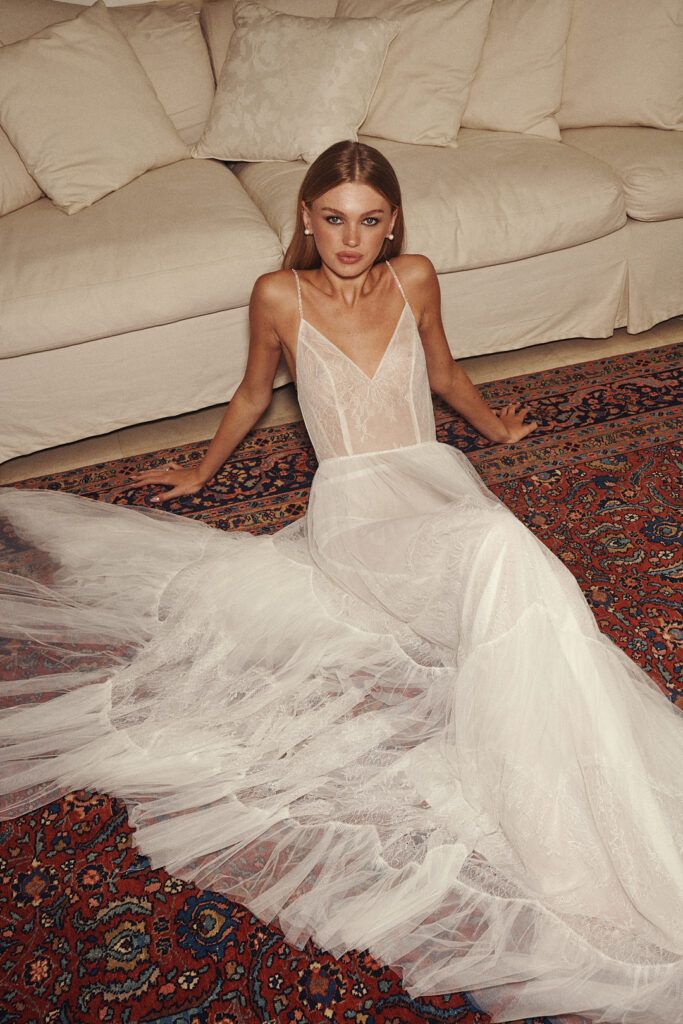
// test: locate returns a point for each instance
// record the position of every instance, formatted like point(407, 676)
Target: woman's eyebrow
point(342, 214)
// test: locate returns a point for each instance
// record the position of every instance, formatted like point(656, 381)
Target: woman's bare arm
point(250, 401)
point(446, 378)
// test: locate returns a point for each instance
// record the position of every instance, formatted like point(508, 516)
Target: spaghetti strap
point(400, 286)
point(298, 292)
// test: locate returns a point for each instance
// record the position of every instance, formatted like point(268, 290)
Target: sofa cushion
point(17, 187)
point(426, 77)
point(169, 44)
point(20, 19)
point(518, 83)
point(649, 162)
point(218, 26)
point(624, 64)
point(167, 41)
point(178, 242)
point(498, 197)
point(77, 137)
point(290, 86)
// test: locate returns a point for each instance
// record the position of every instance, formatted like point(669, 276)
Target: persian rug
point(89, 932)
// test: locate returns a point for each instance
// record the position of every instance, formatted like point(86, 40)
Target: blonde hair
point(343, 162)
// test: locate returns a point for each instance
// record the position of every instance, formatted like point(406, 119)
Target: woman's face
point(349, 225)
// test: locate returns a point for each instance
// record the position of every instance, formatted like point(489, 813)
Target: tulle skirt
point(394, 725)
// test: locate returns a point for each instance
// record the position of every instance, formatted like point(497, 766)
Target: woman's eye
point(370, 221)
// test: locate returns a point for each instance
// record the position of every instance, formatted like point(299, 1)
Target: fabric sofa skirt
point(632, 277)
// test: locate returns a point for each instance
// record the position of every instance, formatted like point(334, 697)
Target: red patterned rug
point(89, 932)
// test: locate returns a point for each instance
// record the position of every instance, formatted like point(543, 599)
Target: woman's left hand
point(181, 479)
point(512, 418)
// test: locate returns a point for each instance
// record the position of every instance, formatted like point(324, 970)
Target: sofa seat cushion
point(649, 162)
point(178, 242)
point(498, 197)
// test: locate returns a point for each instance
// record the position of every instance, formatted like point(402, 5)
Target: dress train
point(394, 725)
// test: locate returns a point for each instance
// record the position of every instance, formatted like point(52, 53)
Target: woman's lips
point(349, 257)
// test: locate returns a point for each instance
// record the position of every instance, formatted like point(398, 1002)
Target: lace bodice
point(347, 412)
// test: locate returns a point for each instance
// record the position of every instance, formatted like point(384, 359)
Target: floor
point(199, 426)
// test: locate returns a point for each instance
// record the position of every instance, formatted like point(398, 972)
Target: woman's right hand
point(512, 418)
point(181, 480)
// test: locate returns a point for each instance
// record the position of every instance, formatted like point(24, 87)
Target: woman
point(350, 287)
point(394, 724)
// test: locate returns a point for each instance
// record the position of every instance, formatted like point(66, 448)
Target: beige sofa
point(136, 307)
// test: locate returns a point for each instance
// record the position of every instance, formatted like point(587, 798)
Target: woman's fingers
point(514, 417)
point(520, 412)
point(165, 468)
point(166, 495)
point(176, 492)
point(181, 480)
point(526, 428)
point(160, 475)
point(513, 409)
point(150, 478)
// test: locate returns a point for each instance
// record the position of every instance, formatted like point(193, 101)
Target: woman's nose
point(351, 235)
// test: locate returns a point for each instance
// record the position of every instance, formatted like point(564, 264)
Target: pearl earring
point(307, 232)
point(390, 237)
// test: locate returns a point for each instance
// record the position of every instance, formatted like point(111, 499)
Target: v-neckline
point(360, 369)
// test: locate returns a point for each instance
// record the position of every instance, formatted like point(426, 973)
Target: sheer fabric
point(393, 725)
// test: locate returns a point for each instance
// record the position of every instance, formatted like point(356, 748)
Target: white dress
point(394, 724)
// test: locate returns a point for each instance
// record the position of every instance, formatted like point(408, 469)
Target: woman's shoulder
point(413, 263)
point(273, 305)
point(274, 292)
point(413, 268)
point(273, 285)
point(416, 274)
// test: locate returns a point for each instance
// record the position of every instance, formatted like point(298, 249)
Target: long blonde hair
point(344, 162)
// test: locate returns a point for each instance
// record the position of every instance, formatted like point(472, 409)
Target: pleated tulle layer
point(394, 725)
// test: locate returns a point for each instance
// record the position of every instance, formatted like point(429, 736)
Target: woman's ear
point(306, 215)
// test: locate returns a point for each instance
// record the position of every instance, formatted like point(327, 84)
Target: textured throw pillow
point(518, 84)
point(426, 77)
point(624, 64)
point(218, 26)
point(79, 137)
point(292, 86)
point(167, 40)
